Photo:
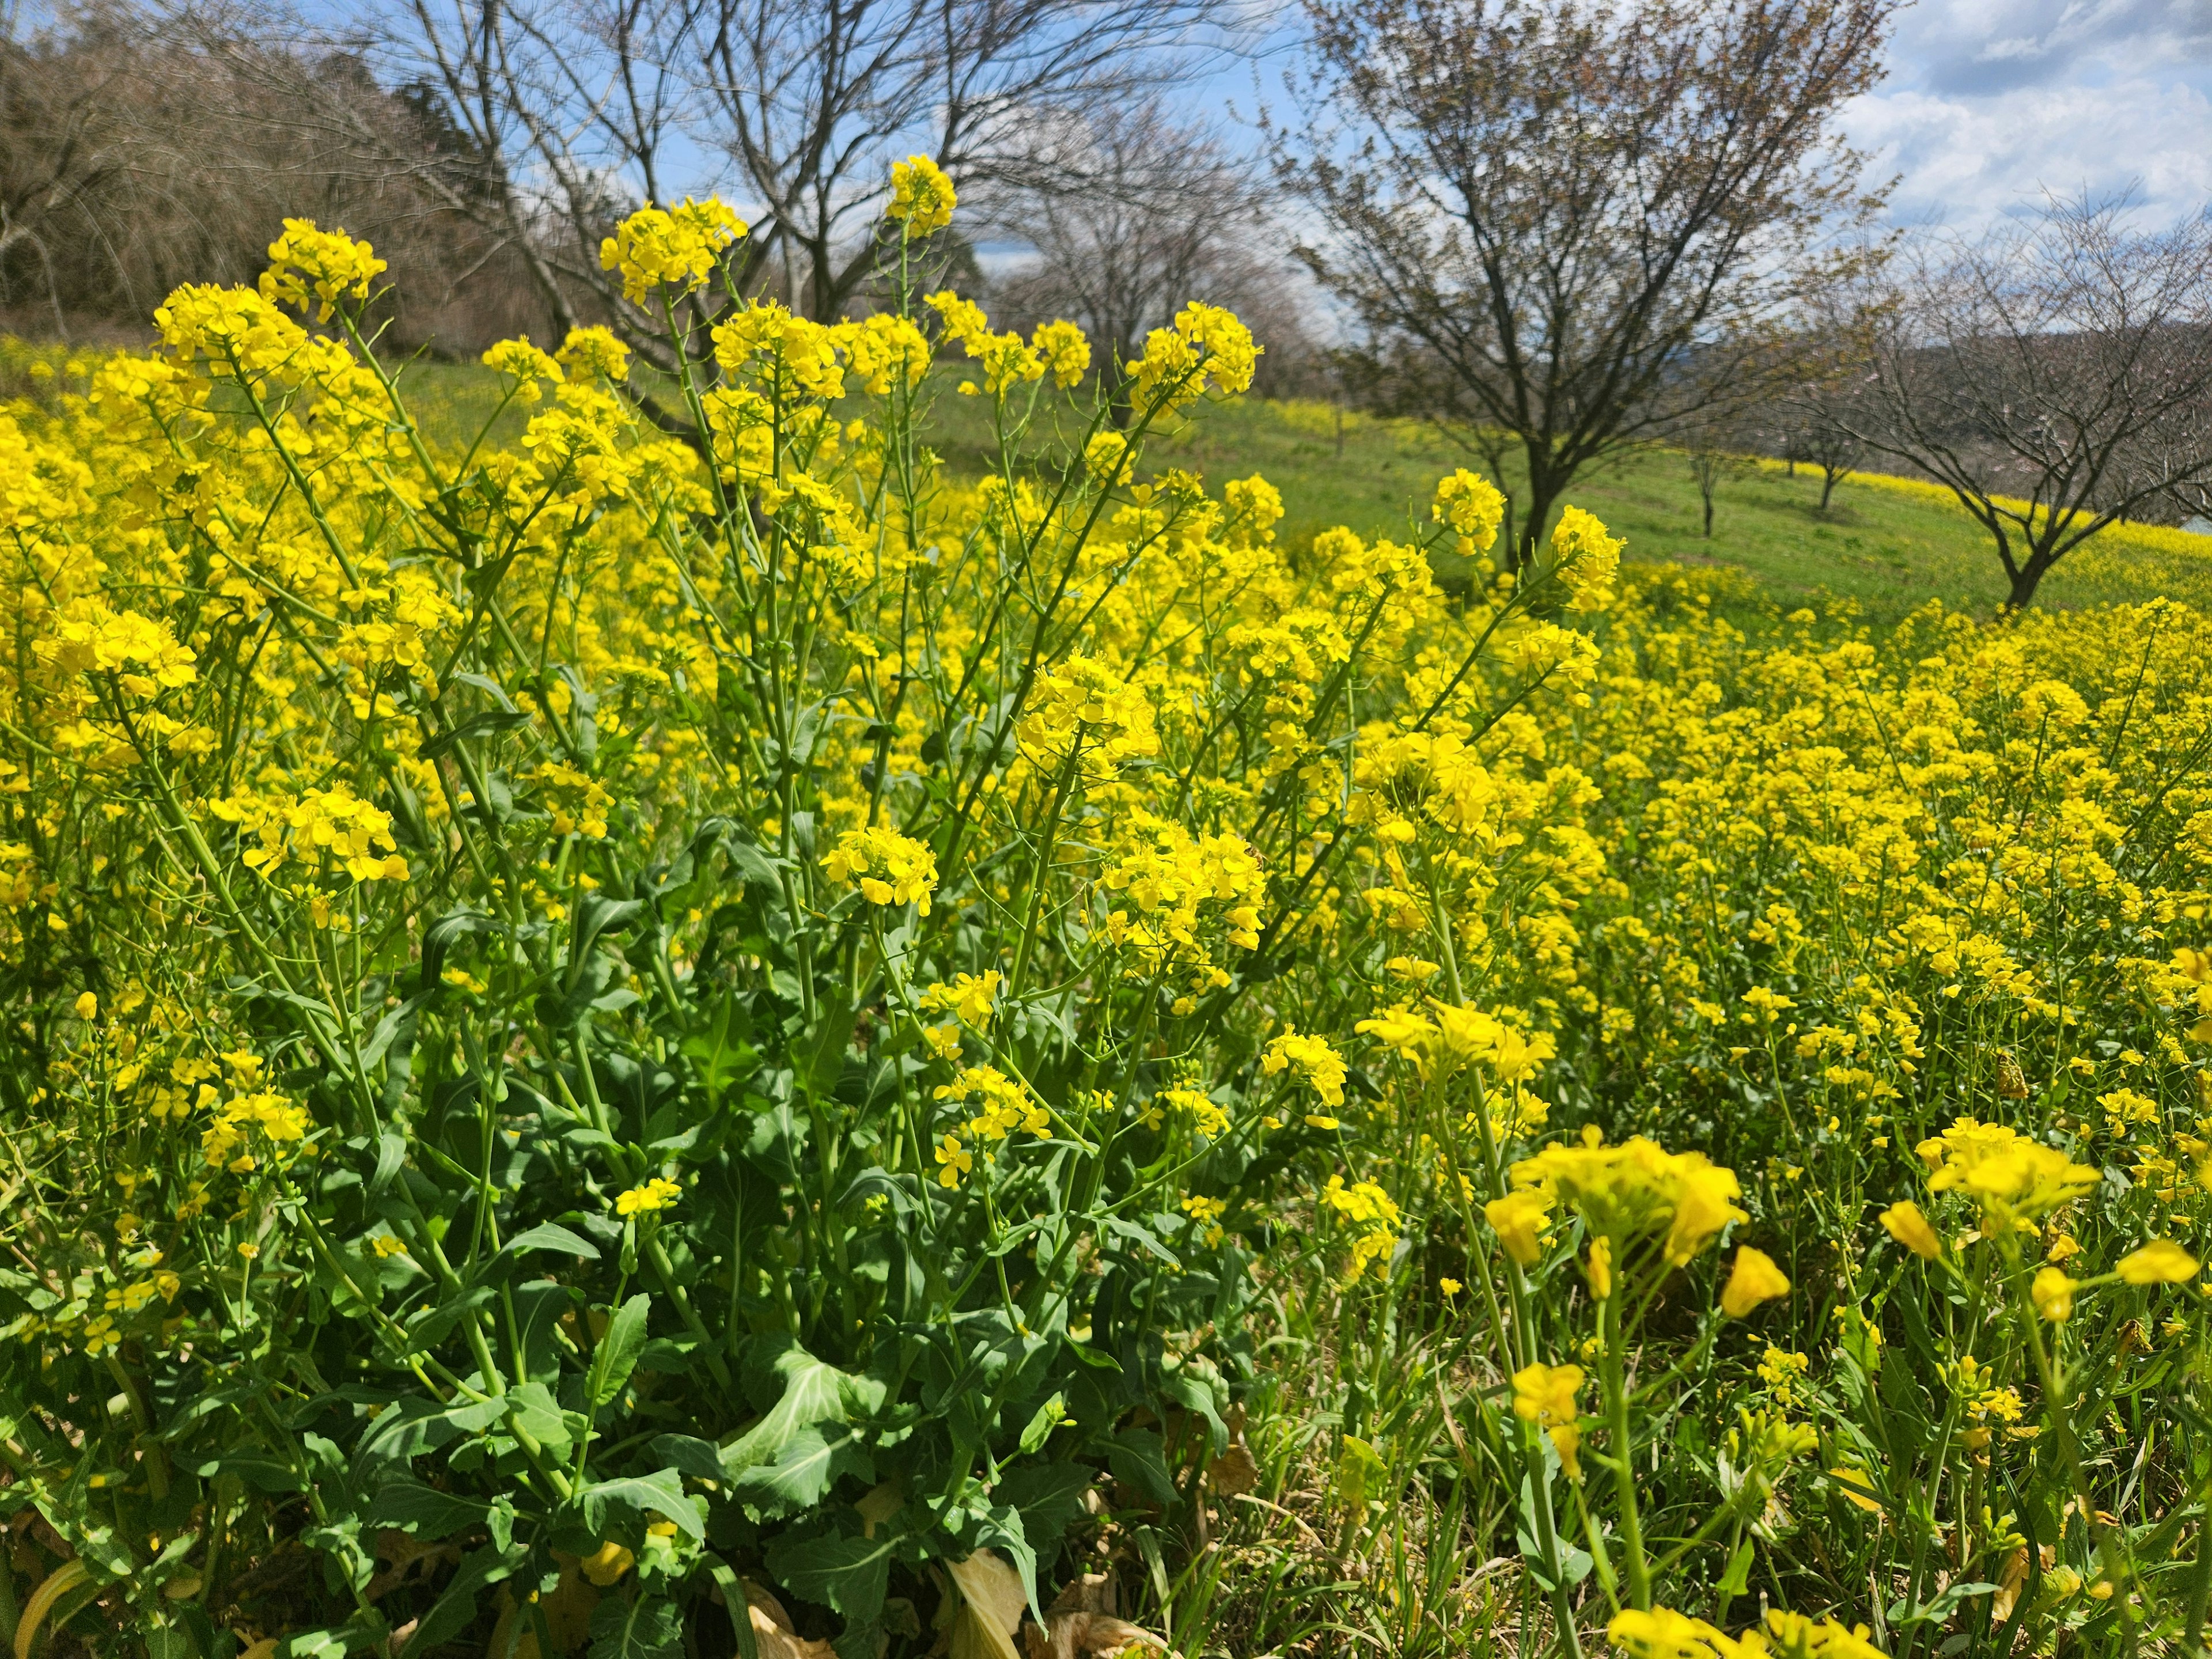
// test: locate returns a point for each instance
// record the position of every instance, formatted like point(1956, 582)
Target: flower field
point(697, 1034)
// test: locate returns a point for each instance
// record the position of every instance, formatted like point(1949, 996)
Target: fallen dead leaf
point(993, 1601)
point(772, 1632)
point(1081, 1621)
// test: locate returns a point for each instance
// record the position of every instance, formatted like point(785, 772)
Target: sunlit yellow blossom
point(1904, 1223)
point(1375, 1217)
point(1637, 1189)
point(1471, 506)
point(2053, 1294)
point(1206, 345)
point(2161, 1262)
point(1585, 559)
point(1753, 1279)
point(970, 996)
point(1312, 1057)
point(1793, 1636)
point(324, 265)
point(657, 1193)
point(1662, 1633)
point(678, 246)
point(889, 868)
point(922, 198)
point(1545, 1395)
point(1519, 1220)
point(2012, 1177)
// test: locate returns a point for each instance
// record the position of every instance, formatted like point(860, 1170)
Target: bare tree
point(1130, 213)
point(1822, 408)
point(579, 110)
point(1712, 443)
point(1828, 442)
point(135, 156)
point(1546, 209)
point(2056, 375)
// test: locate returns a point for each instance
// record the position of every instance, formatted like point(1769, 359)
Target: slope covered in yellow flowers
point(707, 1034)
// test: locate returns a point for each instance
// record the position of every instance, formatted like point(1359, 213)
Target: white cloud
point(1991, 102)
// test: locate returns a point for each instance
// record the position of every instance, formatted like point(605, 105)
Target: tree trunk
point(2025, 581)
point(1708, 497)
point(1827, 486)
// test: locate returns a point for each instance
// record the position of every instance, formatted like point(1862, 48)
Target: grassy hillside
point(1889, 545)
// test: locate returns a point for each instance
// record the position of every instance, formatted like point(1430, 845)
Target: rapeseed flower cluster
point(480, 916)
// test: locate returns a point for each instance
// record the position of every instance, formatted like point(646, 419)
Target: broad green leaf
point(619, 1349)
point(1049, 1496)
point(811, 1393)
point(649, 1627)
point(408, 1506)
point(688, 1455)
point(809, 1463)
point(1138, 1460)
point(846, 1574)
point(662, 1493)
point(553, 1237)
point(532, 1407)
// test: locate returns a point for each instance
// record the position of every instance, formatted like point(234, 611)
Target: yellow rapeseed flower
point(2161, 1262)
point(889, 867)
point(1545, 1395)
point(657, 1193)
point(922, 198)
point(1637, 1189)
point(1519, 1220)
point(2052, 1293)
point(1904, 1223)
point(1754, 1279)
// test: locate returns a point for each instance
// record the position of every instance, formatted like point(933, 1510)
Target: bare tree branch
point(2056, 375)
point(1574, 223)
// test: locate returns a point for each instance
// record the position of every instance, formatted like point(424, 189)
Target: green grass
point(1885, 548)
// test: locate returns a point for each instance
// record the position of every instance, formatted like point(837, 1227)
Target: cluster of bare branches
point(135, 155)
point(1580, 224)
point(792, 110)
point(1125, 219)
point(2056, 374)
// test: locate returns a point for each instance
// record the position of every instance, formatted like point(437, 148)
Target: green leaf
point(408, 1506)
point(721, 1049)
point(1050, 1416)
point(490, 724)
point(809, 1463)
point(846, 1574)
point(619, 1349)
point(811, 1393)
point(451, 1613)
point(1048, 1495)
point(700, 1459)
point(1139, 1459)
point(648, 1628)
point(551, 1236)
point(818, 1061)
point(597, 913)
point(532, 1407)
point(739, 1609)
point(1737, 1578)
point(662, 1493)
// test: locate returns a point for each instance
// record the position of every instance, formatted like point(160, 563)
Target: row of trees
point(1566, 229)
point(1557, 228)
